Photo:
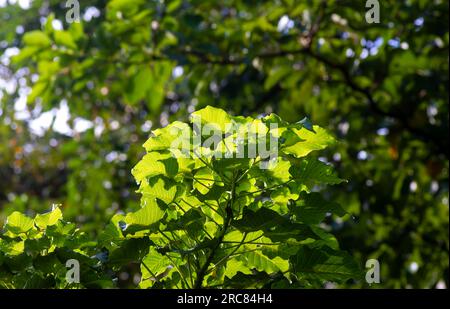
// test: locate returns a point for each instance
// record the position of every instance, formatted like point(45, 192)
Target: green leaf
point(275, 75)
point(234, 266)
point(155, 163)
point(175, 136)
point(295, 231)
point(25, 54)
point(60, 232)
point(262, 219)
point(260, 262)
point(50, 218)
point(203, 180)
point(173, 5)
point(310, 141)
point(274, 226)
point(161, 72)
point(192, 222)
point(112, 232)
point(148, 215)
point(281, 197)
point(18, 223)
point(125, 6)
point(32, 280)
point(36, 38)
point(190, 201)
point(130, 251)
point(324, 264)
point(156, 187)
point(140, 83)
point(311, 171)
point(156, 262)
point(244, 281)
point(275, 119)
point(154, 267)
point(33, 246)
point(212, 116)
point(326, 238)
point(38, 90)
point(311, 208)
point(12, 247)
point(274, 176)
point(64, 38)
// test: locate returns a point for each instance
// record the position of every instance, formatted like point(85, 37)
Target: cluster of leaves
point(34, 253)
point(223, 221)
point(205, 220)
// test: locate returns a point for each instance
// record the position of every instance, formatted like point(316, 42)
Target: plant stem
point(151, 273)
point(229, 217)
point(265, 189)
point(224, 259)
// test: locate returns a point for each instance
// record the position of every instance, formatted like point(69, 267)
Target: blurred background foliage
point(77, 101)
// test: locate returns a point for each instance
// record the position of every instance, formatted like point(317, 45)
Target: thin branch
point(225, 258)
point(229, 217)
point(151, 273)
point(204, 230)
point(265, 189)
point(181, 274)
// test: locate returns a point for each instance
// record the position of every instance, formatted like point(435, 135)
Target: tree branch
point(229, 217)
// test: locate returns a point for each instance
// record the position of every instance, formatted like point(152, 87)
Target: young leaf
point(50, 218)
point(18, 223)
point(310, 141)
point(212, 116)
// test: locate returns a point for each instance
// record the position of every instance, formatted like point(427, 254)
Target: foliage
point(33, 253)
point(382, 89)
point(208, 218)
